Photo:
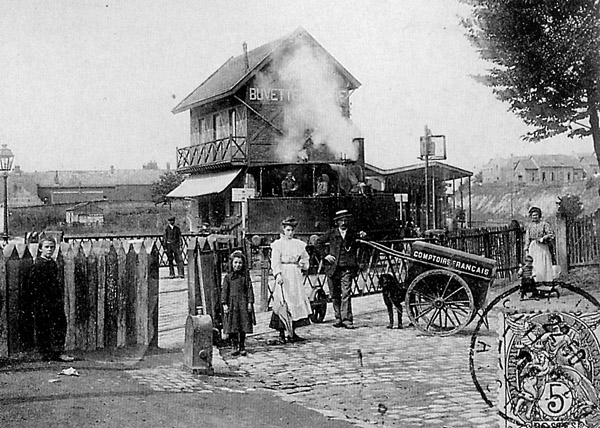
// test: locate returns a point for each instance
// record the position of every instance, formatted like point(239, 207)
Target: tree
point(160, 189)
point(546, 60)
point(569, 206)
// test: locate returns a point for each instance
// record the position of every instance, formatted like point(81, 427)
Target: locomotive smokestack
point(360, 145)
point(245, 46)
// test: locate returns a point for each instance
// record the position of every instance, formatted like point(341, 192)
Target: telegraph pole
point(432, 147)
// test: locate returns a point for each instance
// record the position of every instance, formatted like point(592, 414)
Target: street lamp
point(6, 161)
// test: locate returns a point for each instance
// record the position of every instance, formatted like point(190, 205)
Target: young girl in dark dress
point(237, 298)
point(50, 321)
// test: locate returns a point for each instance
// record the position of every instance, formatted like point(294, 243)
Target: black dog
point(394, 294)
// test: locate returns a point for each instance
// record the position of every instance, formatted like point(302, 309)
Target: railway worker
point(323, 185)
point(289, 185)
point(172, 241)
point(341, 265)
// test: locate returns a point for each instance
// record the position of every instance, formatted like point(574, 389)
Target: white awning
point(204, 184)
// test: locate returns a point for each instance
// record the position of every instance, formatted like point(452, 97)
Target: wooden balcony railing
point(232, 150)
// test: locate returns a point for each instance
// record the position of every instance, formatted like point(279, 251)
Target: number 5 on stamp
point(550, 370)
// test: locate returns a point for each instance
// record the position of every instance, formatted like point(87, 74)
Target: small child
point(50, 321)
point(237, 298)
point(527, 278)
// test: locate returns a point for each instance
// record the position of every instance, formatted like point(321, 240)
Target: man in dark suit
point(341, 265)
point(172, 241)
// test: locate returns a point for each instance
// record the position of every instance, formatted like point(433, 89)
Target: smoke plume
point(315, 111)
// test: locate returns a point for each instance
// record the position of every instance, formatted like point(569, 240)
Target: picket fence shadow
point(110, 294)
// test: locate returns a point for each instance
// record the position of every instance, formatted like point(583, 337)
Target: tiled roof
point(546, 161)
point(96, 178)
point(588, 159)
point(550, 161)
point(233, 74)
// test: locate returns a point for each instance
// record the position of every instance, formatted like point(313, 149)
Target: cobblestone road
point(370, 376)
point(373, 374)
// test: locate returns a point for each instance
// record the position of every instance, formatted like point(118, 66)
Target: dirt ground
point(33, 394)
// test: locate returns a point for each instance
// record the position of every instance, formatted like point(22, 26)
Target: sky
point(90, 85)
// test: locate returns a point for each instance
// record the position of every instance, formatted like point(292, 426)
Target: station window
point(201, 126)
point(232, 122)
point(214, 126)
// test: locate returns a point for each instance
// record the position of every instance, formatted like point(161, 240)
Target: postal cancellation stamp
point(550, 370)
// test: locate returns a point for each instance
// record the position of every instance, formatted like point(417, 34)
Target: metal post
point(470, 206)
point(6, 208)
point(433, 200)
point(427, 185)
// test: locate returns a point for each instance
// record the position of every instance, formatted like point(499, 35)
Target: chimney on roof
point(112, 169)
point(168, 166)
point(245, 46)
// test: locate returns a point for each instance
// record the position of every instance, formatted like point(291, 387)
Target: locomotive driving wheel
point(439, 302)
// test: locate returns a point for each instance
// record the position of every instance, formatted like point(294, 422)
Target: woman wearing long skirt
point(291, 306)
point(538, 238)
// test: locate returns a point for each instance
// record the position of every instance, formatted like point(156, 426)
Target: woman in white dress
point(538, 238)
point(291, 306)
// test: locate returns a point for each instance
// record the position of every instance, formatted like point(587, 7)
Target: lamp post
point(6, 161)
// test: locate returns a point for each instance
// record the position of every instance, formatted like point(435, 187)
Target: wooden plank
point(14, 297)
point(110, 298)
point(101, 251)
point(26, 304)
point(81, 299)
point(153, 295)
point(68, 256)
point(141, 302)
point(121, 296)
point(92, 301)
point(192, 277)
point(130, 297)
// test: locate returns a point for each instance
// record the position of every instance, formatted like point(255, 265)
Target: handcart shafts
point(446, 287)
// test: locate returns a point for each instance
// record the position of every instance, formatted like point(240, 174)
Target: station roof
point(234, 74)
point(417, 171)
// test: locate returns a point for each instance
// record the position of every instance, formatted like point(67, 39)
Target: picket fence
point(110, 293)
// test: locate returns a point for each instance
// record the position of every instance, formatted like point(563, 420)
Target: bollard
point(198, 344)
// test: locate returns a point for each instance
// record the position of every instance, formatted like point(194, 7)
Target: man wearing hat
point(172, 241)
point(341, 265)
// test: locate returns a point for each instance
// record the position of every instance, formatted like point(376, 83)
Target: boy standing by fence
point(50, 321)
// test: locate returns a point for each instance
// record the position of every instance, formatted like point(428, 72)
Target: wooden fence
point(110, 294)
point(583, 241)
point(503, 244)
point(155, 238)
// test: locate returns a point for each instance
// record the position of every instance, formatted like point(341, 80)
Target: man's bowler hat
point(171, 219)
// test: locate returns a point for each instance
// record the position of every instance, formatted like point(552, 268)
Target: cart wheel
point(439, 302)
point(319, 307)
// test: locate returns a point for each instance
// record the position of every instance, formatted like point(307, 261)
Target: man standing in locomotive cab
point(289, 185)
point(341, 265)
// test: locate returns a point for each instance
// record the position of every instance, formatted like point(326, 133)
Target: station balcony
point(232, 151)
